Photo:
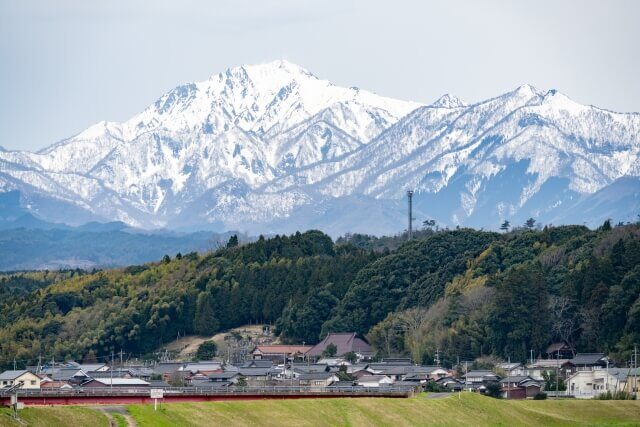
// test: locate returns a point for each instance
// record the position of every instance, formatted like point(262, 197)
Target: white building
point(374, 381)
point(587, 384)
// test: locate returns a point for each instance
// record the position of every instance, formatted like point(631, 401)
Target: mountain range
point(271, 148)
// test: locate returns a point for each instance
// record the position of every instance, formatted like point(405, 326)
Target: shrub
point(540, 396)
point(616, 395)
point(434, 387)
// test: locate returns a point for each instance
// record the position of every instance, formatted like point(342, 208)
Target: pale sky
point(67, 64)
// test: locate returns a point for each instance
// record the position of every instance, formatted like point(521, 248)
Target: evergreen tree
point(205, 322)
point(330, 350)
point(233, 241)
point(505, 226)
point(206, 351)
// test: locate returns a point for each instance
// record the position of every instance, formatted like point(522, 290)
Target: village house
point(19, 378)
point(116, 383)
point(49, 384)
point(166, 370)
point(519, 387)
point(257, 364)
point(590, 383)
point(279, 353)
point(374, 381)
point(589, 361)
point(228, 377)
point(450, 383)
point(202, 367)
point(72, 375)
point(559, 350)
point(344, 343)
point(510, 368)
point(317, 379)
point(476, 380)
point(541, 367)
point(256, 376)
point(89, 367)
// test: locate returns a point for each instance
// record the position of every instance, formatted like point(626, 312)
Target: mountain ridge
point(252, 145)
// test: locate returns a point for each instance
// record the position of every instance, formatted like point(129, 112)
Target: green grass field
point(471, 409)
point(55, 416)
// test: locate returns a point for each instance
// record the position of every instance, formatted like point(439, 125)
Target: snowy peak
point(265, 147)
point(448, 101)
point(255, 98)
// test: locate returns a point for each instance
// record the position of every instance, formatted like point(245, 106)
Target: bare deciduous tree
point(564, 321)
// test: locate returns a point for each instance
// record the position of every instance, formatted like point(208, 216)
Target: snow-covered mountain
point(272, 148)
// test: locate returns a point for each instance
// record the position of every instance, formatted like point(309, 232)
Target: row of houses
point(350, 364)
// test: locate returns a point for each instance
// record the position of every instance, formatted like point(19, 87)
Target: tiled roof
point(310, 368)
point(373, 378)
point(587, 358)
point(315, 376)
point(479, 374)
point(344, 342)
point(283, 349)
point(223, 375)
point(122, 381)
point(255, 372)
point(12, 375)
point(167, 368)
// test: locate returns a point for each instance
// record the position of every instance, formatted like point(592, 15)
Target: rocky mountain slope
point(272, 148)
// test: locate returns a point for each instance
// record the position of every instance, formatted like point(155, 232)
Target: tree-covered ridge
point(414, 275)
point(525, 290)
point(139, 308)
point(463, 292)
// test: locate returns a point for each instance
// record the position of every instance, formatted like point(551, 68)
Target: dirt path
point(188, 345)
point(110, 410)
point(438, 395)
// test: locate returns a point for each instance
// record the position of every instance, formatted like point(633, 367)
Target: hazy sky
point(65, 65)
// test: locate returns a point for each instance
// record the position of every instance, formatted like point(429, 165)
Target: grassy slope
point(470, 410)
point(55, 416)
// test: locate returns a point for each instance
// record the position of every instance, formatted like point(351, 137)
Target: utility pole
point(531, 351)
point(437, 358)
point(558, 370)
point(410, 227)
point(466, 371)
point(635, 371)
point(120, 358)
point(111, 372)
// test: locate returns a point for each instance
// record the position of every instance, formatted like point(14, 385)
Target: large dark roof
point(344, 342)
point(311, 368)
point(255, 372)
point(223, 375)
point(315, 376)
point(588, 359)
point(516, 379)
point(167, 368)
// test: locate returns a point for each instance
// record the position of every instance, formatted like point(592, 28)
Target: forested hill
point(465, 292)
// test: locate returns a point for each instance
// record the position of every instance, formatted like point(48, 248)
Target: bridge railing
point(214, 391)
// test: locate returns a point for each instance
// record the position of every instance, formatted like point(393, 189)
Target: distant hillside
point(30, 243)
point(465, 292)
point(36, 249)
